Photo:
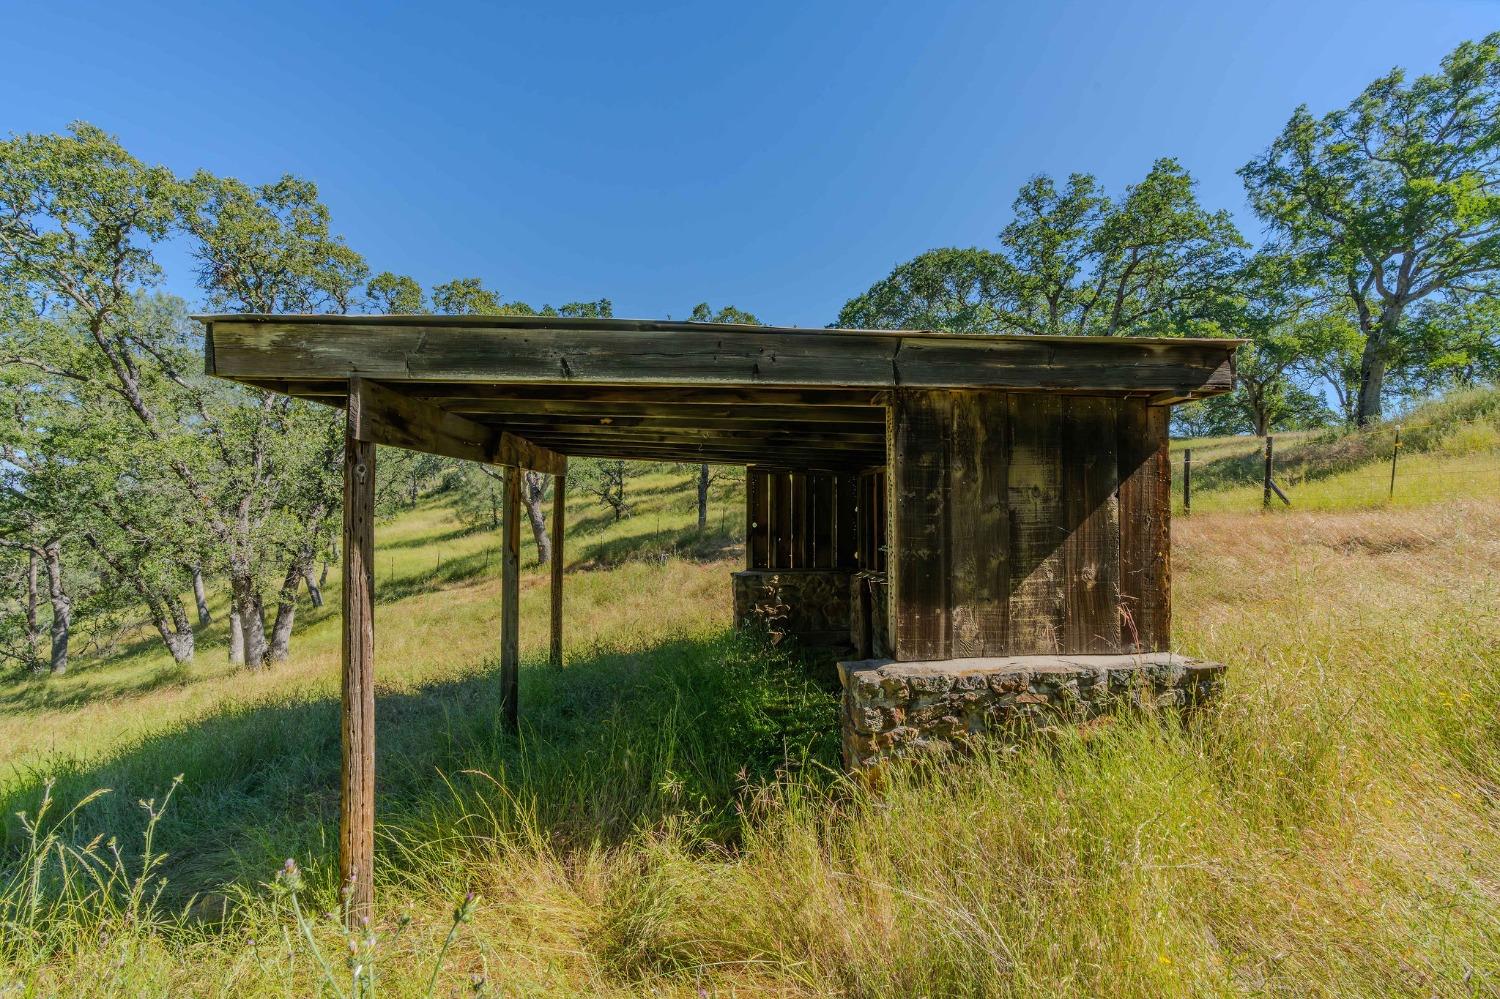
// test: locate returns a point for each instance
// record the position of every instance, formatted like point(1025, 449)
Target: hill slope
point(672, 822)
point(1449, 449)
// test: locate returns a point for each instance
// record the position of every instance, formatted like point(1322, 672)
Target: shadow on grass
point(616, 743)
point(444, 574)
point(46, 693)
point(423, 540)
point(691, 543)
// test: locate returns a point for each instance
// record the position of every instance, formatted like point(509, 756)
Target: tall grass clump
point(55, 889)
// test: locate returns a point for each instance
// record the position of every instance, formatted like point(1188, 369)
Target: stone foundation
point(811, 605)
point(895, 709)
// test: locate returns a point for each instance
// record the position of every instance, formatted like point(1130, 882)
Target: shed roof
point(677, 391)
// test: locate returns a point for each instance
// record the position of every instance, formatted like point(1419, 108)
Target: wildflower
point(465, 911)
point(290, 876)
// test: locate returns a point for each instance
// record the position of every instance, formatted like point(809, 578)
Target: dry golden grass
point(671, 824)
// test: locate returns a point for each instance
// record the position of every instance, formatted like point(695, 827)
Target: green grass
point(1450, 449)
point(672, 820)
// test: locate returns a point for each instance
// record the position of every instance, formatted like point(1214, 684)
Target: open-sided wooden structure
point(963, 495)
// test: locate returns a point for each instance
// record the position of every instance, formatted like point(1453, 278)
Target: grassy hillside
point(672, 821)
point(1449, 449)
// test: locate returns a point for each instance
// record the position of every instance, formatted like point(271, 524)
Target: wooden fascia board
point(251, 349)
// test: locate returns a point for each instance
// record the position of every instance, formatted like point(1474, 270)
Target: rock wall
point(896, 709)
point(811, 605)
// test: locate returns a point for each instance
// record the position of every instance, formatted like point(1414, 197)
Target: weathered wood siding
point(799, 520)
point(621, 352)
point(1026, 524)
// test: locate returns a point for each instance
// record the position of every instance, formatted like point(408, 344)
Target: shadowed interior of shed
point(912, 497)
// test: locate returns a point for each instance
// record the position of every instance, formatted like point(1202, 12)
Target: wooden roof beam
point(781, 457)
point(386, 416)
point(522, 423)
point(696, 413)
point(791, 438)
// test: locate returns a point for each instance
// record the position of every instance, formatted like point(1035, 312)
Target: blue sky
point(777, 156)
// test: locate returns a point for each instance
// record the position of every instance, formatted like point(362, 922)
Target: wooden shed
point(920, 498)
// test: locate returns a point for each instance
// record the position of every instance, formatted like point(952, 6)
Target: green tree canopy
point(394, 294)
point(1394, 197)
point(1074, 261)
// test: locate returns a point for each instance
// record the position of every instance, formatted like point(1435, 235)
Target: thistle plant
point(360, 942)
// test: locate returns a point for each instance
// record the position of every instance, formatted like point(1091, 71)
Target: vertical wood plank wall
point(870, 547)
point(1026, 524)
point(799, 520)
point(1145, 526)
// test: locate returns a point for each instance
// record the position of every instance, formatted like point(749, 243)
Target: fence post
point(1187, 480)
point(1265, 500)
point(1395, 450)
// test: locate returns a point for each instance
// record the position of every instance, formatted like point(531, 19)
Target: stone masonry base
point(895, 709)
point(811, 605)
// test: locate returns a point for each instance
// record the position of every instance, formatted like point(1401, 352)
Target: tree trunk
point(1372, 365)
point(247, 602)
point(1371, 384)
point(236, 637)
point(533, 488)
point(314, 588)
point(1260, 412)
point(181, 645)
point(33, 629)
point(702, 496)
point(62, 606)
point(174, 629)
point(286, 611)
point(323, 576)
point(200, 597)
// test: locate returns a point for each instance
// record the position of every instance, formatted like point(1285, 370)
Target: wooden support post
point(1265, 499)
point(1395, 450)
point(510, 599)
point(357, 783)
point(1145, 527)
point(1187, 480)
point(559, 518)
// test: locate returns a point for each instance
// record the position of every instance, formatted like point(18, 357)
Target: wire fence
point(1385, 465)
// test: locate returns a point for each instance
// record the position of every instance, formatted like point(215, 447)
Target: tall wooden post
point(1265, 498)
point(357, 784)
point(1187, 480)
point(510, 599)
point(1395, 451)
point(559, 518)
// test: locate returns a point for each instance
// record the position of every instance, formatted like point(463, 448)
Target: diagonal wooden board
point(386, 416)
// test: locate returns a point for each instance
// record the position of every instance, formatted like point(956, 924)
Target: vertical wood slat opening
point(801, 519)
